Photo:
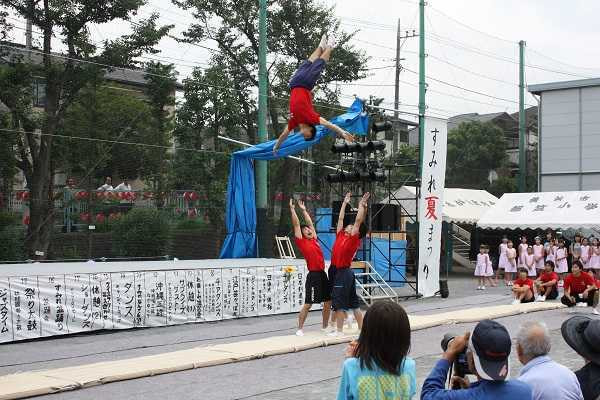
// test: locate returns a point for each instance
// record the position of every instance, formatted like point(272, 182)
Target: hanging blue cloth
point(240, 216)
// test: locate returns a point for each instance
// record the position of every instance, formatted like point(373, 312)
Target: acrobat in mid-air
point(302, 113)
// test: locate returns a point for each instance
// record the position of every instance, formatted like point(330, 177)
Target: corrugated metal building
point(569, 137)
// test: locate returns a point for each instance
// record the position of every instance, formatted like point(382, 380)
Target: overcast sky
point(471, 44)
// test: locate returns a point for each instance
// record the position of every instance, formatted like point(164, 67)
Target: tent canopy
point(545, 210)
point(460, 205)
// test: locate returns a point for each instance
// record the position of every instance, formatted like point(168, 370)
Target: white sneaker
point(335, 333)
point(329, 329)
point(483, 288)
point(323, 42)
point(478, 287)
point(542, 298)
point(595, 311)
point(516, 301)
point(581, 304)
point(299, 332)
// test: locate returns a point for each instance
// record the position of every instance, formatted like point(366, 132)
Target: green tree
point(207, 111)
point(68, 22)
point(294, 29)
point(474, 149)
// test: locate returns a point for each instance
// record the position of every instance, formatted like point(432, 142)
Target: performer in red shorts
point(346, 244)
point(302, 113)
point(317, 285)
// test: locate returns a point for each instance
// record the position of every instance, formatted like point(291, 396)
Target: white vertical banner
point(431, 201)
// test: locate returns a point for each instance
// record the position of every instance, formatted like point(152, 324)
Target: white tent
point(460, 205)
point(545, 210)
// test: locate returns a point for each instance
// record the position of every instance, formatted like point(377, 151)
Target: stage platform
point(48, 299)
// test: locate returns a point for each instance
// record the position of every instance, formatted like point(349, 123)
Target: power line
point(89, 139)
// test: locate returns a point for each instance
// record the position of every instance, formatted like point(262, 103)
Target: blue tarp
point(240, 216)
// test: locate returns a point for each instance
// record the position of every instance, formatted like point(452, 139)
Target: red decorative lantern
point(26, 220)
point(147, 195)
point(84, 217)
point(100, 218)
point(193, 196)
point(279, 196)
point(192, 213)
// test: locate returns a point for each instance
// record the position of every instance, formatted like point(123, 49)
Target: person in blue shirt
point(378, 367)
point(488, 348)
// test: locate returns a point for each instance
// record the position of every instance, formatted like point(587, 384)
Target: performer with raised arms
point(346, 244)
point(302, 113)
point(318, 289)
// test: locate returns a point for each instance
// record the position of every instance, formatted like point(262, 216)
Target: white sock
point(331, 42)
point(323, 42)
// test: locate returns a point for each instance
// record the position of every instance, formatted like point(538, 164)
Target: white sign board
point(431, 204)
point(47, 305)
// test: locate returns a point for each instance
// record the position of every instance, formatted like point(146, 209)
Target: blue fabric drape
point(240, 216)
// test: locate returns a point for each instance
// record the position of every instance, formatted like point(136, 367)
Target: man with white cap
point(488, 347)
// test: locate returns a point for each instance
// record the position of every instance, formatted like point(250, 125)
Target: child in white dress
point(522, 252)
point(585, 254)
point(595, 257)
point(502, 260)
point(530, 263)
point(511, 268)
point(538, 254)
point(483, 268)
point(562, 267)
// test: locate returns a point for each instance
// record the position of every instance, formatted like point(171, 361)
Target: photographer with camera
point(484, 353)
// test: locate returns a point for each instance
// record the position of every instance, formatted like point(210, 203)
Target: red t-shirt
point(301, 108)
point(312, 253)
point(344, 249)
point(549, 276)
point(524, 282)
point(577, 284)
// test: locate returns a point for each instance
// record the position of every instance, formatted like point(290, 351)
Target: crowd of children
point(542, 268)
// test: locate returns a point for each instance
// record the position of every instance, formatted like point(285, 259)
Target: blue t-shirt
point(375, 384)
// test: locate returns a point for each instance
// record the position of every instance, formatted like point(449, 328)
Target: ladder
point(370, 286)
point(285, 248)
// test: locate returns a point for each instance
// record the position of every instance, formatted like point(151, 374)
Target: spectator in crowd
point(124, 186)
point(546, 285)
point(107, 185)
point(533, 346)
point(582, 333)
point(125, 203)
point(378, 366)
point(579, 288)
point(489, 346)
point(523, 288)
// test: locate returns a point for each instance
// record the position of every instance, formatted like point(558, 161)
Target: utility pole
point(398, 67)
point(522, 122)
point(422, 85)
point(261, 166)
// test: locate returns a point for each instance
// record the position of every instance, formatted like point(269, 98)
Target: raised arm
point(340, 223)
point(281, 139)
point(307, 218)
point(295, 220)
point(363, 206)
point(339, 131)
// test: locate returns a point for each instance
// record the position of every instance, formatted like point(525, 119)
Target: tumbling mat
point(35, 383)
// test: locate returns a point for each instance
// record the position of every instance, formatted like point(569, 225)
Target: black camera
point(461, 366)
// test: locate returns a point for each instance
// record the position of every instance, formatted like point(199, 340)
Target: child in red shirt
point(302, 113)
point(523, 288)
point(579, 288)
point(547, 284)
point(347, 241)
point(317, 287)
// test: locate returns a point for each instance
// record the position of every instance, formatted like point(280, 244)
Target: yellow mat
point(27, 384)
